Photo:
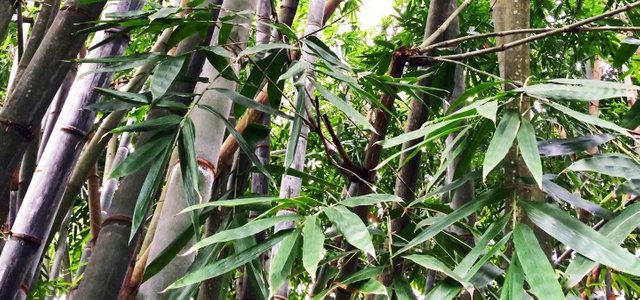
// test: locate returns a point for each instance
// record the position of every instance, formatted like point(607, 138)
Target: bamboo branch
point(433, 37)
point(566, 29)
point(459, 40)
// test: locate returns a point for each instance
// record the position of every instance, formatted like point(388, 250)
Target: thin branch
point(569, 28)
point(436, 34)
point(459, 40)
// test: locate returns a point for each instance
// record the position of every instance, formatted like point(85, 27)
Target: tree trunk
point(42, 200)
point(27, 103)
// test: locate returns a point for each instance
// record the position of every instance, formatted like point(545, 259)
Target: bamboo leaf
point(433, 263)
point(295, 69)
point(233, 203)
point(313, 246)
point(589, 119)
point(446, 221)
point(370, 287)
point(189, 169)
point(580, 237)
point(164, 75)
point(502, 140)
point(296, 127)
point(351, 227)
point(242, 143)
point(281, 263)
point(617, 229)
point(536, 267)
point(133, 98)
point(344, 107)
point(529, 150)
point(149, 188)
point(488, 110)
point(443, 291)
point(560, 194)
point(572, 92)
point(513, 287)
point(596, 83)
point(308, 178)
point(244, 101)
point(420, 133)
point(244, 231)
point(555, 147)
point(266, 47)
point(142, 156)
point(121, 63)
point(617, 165)
point(468, 261)
point(161, 123)
point(219, 267)
point(369, 199)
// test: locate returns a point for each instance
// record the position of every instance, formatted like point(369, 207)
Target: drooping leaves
point(618, 165)
point(502, 140)
point(529, 150)
point(351, 227)
point(313, 245)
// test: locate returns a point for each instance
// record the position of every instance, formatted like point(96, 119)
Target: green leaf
point(370, 287)
point(488, 110)
point(189, 169)
point(282, 261)
point(529, 150)
point(628, 47)
point(344, 107)
point(244, 101)
point(612, 164)
point(351, 227)
point(161, 123)
point(617, 229)
point(433, 263)
point(313, 246)
point(468, 261)
point(596, 83)
point(242, 143)
point(580, 237)
point(370, 199)
point(572, 92)
point(121, 63)
point(296, 127)
point(537, 269)
point(133, 98)
point(143, 155)
point(513, 287)
point(164, 75)
point(220, 62)
point(306, 178)
point(443, 291)
point(589, 119)
point(111, 106)
point(149, 189)
point(419, 133)
point(163, 13)
point(631, 119)
point(295, 69)
point(448, 220)
point(560, 194)
point(266, 47)
point(555, 147)
point(323, 51)
point(502, 140)
point(232, 203)
point(222, 266)
point(244, 231)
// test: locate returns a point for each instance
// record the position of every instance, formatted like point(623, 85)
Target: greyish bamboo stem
point(32, 94)
point(42, 200)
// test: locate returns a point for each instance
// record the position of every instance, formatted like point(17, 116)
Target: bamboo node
point(207, 165)
point(25, 238)
point(74, 130)
point(121, 219)
point(23, 130)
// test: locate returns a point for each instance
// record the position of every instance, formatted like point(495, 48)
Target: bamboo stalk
point(33, 93)
point(42, 200)
point(209, 136)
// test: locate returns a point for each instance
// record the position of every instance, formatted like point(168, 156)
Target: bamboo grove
point(261, 149)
